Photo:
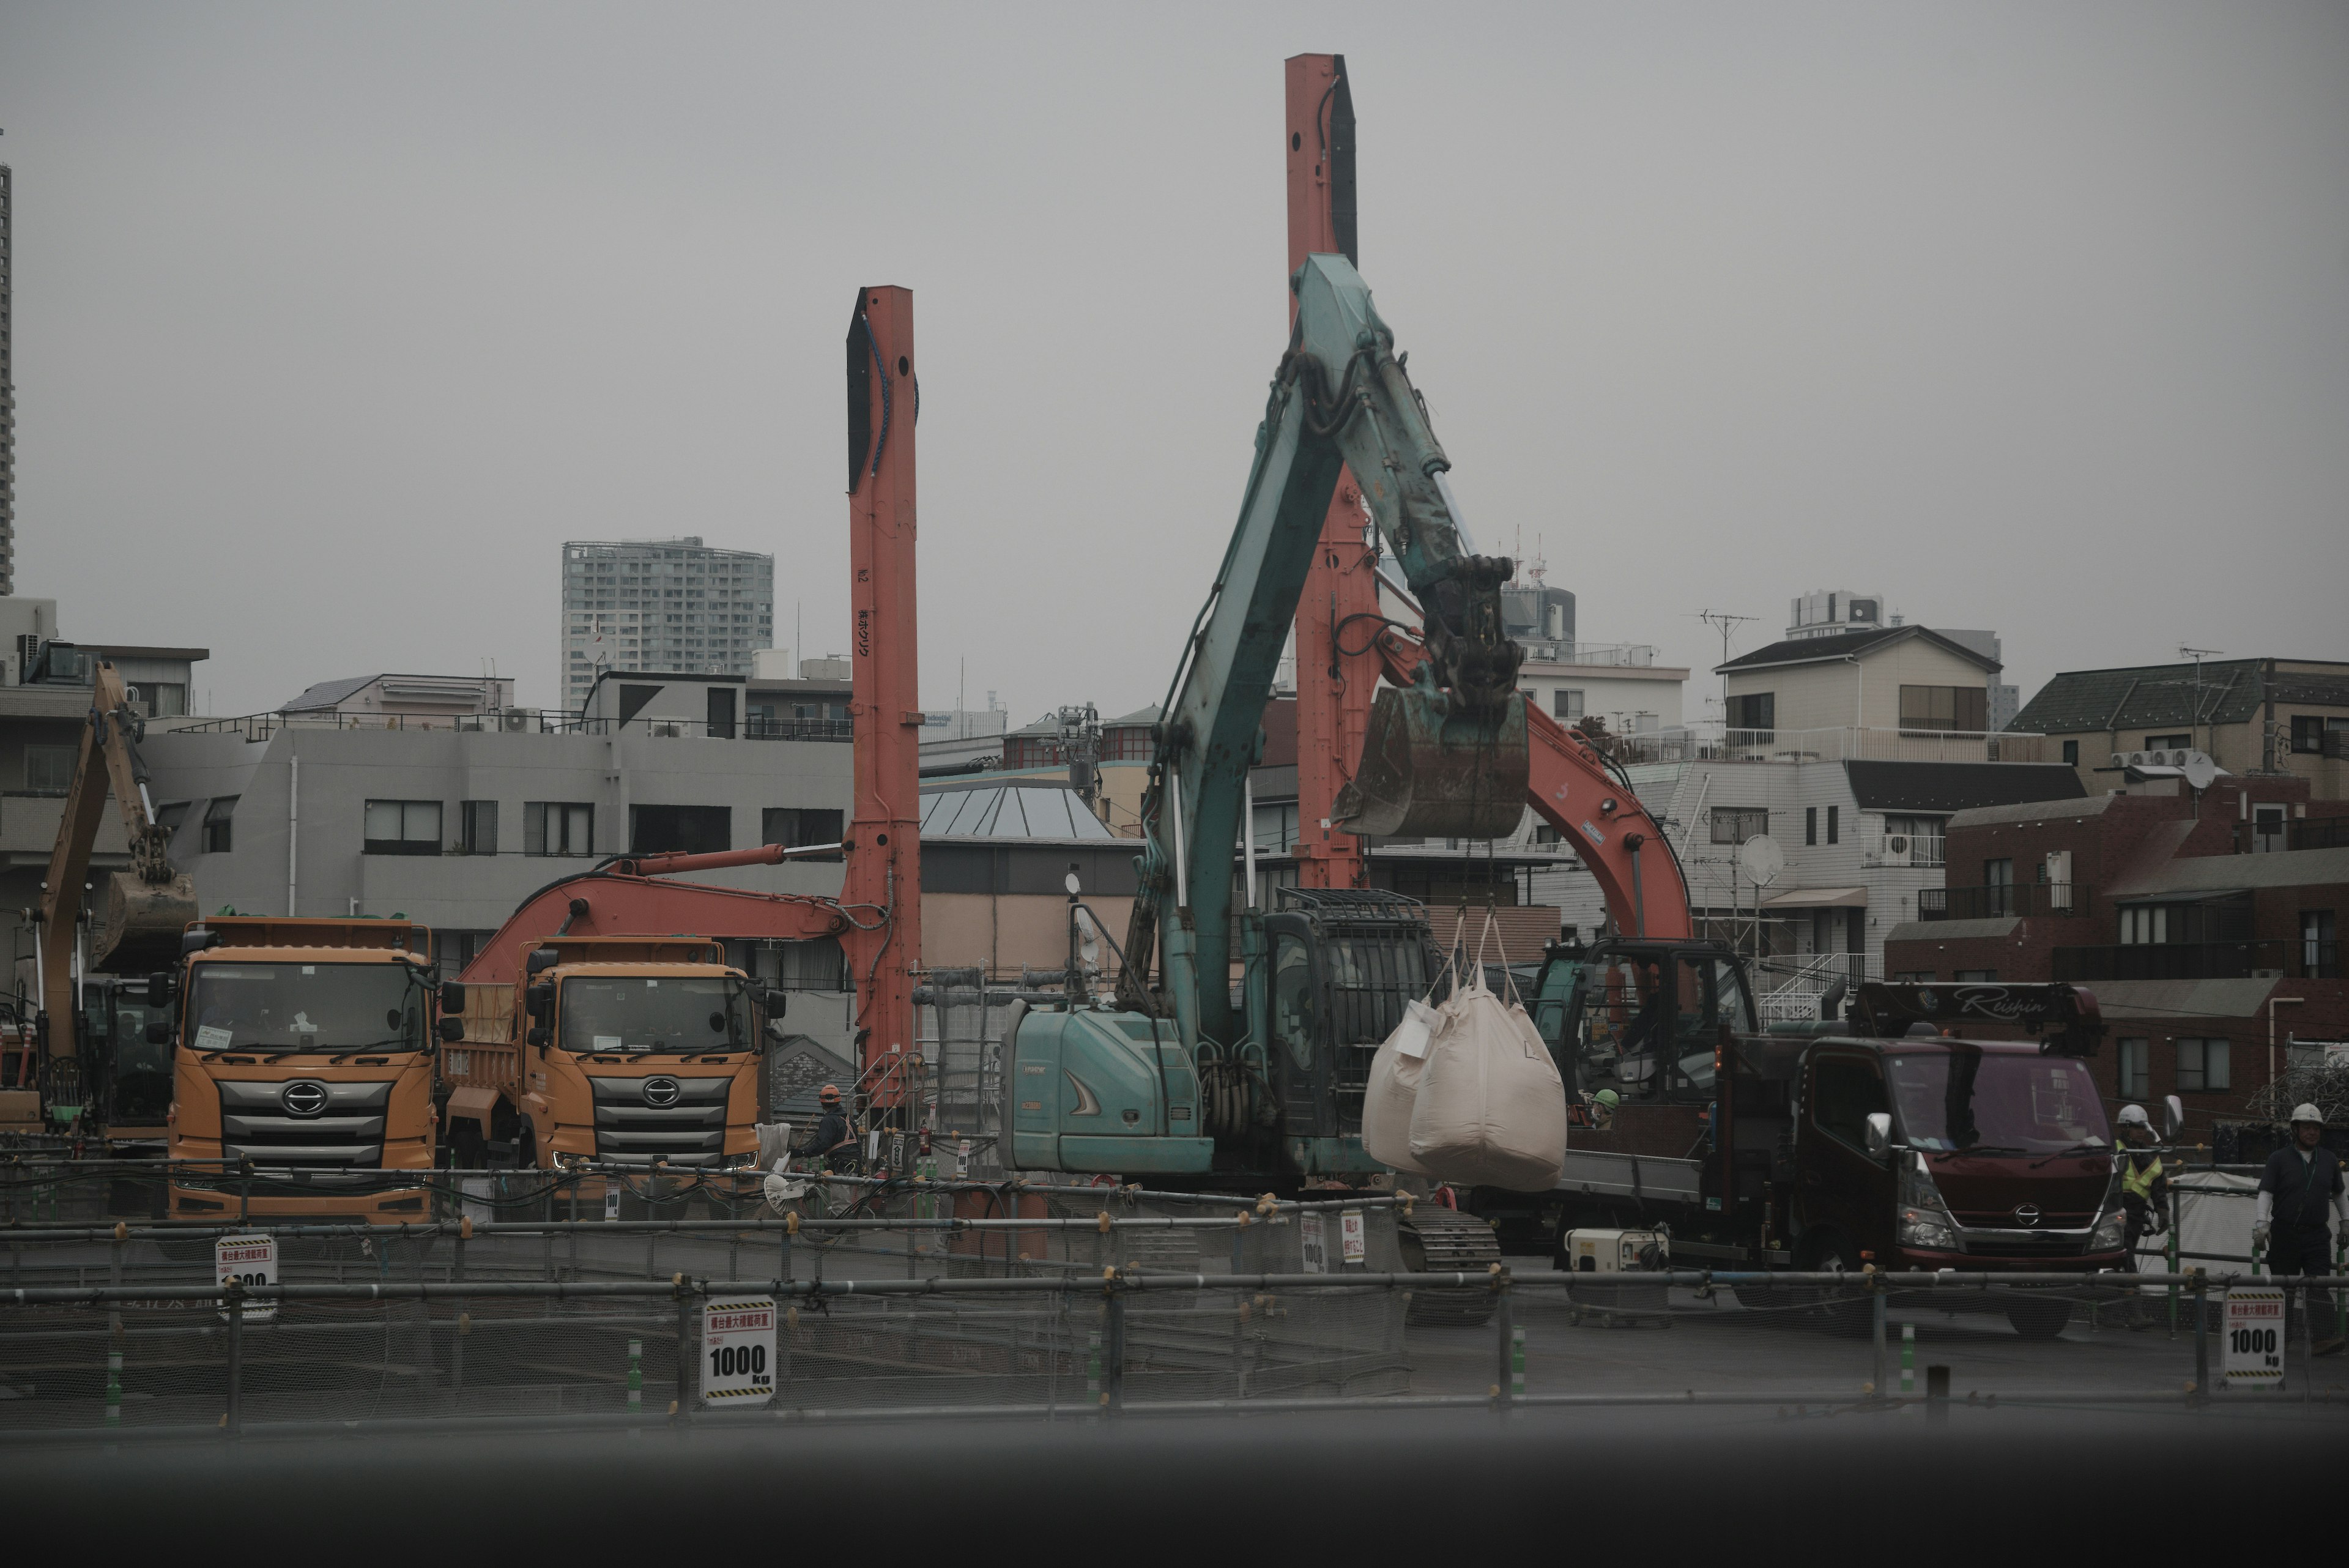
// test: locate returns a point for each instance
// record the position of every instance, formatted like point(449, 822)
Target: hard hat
point(1607, 1098)
point(2307, 1114)
point(828, 1094)
point(2134, 1116)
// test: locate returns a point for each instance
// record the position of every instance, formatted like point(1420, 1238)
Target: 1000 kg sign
point(738, 1360)
point(2252, 1342)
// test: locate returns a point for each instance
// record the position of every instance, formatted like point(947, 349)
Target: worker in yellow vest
point(2145, 1196)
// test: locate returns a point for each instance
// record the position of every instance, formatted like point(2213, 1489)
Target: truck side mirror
point(2173, 1117)
point(542, 1036)
point(540, 998)
point(773, 1002)
point(1879, 1134)
point(159, 1033)
point(158, 989)
point(453, 996)
point(452, 1030)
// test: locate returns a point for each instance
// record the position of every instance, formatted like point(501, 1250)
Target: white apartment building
point(671, 605)
point(1620, 683)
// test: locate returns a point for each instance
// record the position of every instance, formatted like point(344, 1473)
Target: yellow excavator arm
point(145, 911)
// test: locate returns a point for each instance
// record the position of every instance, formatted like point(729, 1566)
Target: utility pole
point(2193, 716)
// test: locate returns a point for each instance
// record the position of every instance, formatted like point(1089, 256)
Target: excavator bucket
point(1430, 770)
point(138, 928)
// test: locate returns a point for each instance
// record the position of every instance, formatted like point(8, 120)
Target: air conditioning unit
point(1899, 849)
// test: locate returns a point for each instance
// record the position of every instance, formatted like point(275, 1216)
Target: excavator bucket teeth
point(138, 929)
point(1430, 771)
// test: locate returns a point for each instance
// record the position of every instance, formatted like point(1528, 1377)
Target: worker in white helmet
point(2145, 1193)
point(2299, 1194)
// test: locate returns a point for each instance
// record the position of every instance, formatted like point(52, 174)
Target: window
point(217, 840)
point(1756, 712)
point(477, 827)
point(1844, 1092)
point(2204, 1066)
point(1565, 703)
point(680, 829)
point(49, 770)
point(1925, 836)
point(1834, 833)
point(2144, 923)
point(1975, 976)
point(1912, 977)
point(402, 827)
point(2071, 754)
point(2168, 742)
point(2136, 1066)
point(1810, 825)
point(166, 699)
point(170, 815)
point(2319, 947)
point(797, 827)
point(1544, 834)
point(1997, 887)
point(1736, 823)
point(557, 827)
point(2308, 730)
point(1944, 710)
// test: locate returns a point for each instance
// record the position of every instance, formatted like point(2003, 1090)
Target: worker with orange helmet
point(831, 1141)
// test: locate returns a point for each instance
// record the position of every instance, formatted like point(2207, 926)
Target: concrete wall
point(1608, 690)
point(340, 770)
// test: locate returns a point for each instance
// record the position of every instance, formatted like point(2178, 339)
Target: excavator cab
point(1644, 1019)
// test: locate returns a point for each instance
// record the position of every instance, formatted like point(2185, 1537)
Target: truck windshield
point(1965, 1098)
point(655, 1013)
point(289, 1007)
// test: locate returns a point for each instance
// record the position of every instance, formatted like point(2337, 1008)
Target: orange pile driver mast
point(1333, 687)
point(882, 895)
point(1343, 647)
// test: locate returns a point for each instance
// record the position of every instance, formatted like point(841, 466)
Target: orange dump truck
point(627, 1050)
point(302, 1069)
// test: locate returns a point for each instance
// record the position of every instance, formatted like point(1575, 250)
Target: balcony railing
point(2065, 900)
point(1846, 742)
point(1918, 849)
point(530, 722)
point(2174, 960)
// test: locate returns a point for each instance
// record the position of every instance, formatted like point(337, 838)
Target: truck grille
point(632, 1127)
point(274, 1124)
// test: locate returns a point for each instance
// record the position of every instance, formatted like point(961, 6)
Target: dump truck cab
point(303, 1065)
point(637, 1052)
point(1929, 1126)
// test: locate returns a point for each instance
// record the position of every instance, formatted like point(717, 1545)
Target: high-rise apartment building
point(8, 389)
point(671, 604)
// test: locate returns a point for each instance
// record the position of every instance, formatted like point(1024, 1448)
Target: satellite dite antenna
point(1760, 859)
point(2199, 770)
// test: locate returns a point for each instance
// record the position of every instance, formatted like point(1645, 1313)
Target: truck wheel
point(2039, 1318)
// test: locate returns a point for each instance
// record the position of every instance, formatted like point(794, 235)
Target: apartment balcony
point(28, 833)
point(1905, 849)
point(260, 727)
point(2181, 960)
point(2065, 900)
point(1845, 742)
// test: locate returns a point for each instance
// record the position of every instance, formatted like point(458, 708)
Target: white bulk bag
point(1394, 1084)
point(1491, 1108)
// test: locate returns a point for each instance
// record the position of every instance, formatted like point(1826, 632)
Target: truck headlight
point(1927, 1228)
point(2111, 1232)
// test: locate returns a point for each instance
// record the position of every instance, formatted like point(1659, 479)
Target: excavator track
point(1442, 1240)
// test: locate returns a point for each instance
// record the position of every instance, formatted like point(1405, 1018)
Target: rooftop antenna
point(1538, 568)
point(2194, 717)
point(1727, 623)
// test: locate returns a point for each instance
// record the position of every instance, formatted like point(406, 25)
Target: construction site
point(1361, 1039)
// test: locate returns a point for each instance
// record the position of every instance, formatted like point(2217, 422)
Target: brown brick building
point(2207, 926)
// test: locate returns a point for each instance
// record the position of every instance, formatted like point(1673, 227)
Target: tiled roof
point(1958, 786)
point(1842, 645)
point(1008, 811)
point(2151, 695)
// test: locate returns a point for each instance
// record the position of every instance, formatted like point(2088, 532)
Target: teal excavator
point(1185, 1076)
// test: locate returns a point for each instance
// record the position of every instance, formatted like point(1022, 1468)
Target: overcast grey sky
point(334, 321)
